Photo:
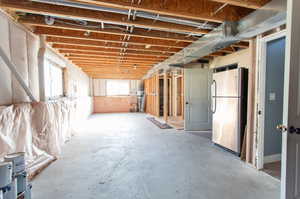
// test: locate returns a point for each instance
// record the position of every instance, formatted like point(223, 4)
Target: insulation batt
point(38, 129)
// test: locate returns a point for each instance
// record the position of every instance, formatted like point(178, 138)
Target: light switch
point(272, 96)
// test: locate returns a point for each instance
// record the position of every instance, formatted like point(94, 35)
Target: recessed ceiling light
point(148, 46)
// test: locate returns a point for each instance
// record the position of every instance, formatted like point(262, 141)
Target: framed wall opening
point(270, 106)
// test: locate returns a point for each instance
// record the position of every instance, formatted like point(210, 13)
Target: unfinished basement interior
point(149, 99)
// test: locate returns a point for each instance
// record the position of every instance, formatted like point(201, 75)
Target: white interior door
point(290, 187)
point(198, 116)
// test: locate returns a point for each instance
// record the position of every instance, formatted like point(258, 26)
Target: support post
point(166, 105)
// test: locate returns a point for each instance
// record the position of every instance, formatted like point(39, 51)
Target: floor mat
point(159, 124)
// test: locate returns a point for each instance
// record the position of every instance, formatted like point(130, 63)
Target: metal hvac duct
point(125, 12)
point(266, 18)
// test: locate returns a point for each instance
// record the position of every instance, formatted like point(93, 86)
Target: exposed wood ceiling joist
point(189, 9)
point(55, 32)
point(108, 45)
point(112, 63)
point(254, 4)
point(102, 52)
point(114, 76)
point(112, 59)
point(118, 47)
point(128, 66)
point(242, 44)
point(90, 57)
point(154, 34)
point(112, 45)
point(95, 16)
point(108, 69)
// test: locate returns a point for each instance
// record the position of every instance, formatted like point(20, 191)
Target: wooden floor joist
point(114, 59)
point(55, 32)
point(90, 57)
point(125, 45)
point(118, 47)
point(189, 9)
point(95, 16)
point(102, 52)
point(108, 63)
point(253, 4)
point(67, 24)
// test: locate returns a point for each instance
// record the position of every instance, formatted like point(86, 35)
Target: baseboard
point(272, 158)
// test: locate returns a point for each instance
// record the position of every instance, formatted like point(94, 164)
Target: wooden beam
point(109, 71)
point(102, 52)
point(68, 24)
point(217, 54)
point(140, 68)
point(96, 48)
point(253, 4)
point(90, 43)
point(113, 56)
point(166, 106)
point(91, 15)
point(83, 63)
point(241, 44)
point(190, 9)
point(106, 37)
point(227, 50)
point(113, 61)
point(115, 70)
point(116, 76)
point(112, 66)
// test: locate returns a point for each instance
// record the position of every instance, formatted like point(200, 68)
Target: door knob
point(281, 128)
point(292, 129)
point(186, 103)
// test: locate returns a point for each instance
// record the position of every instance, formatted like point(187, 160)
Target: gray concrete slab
point(124, 156)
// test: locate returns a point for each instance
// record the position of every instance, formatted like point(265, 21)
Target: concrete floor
point(125, 156)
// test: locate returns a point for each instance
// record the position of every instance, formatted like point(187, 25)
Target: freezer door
point(226, 123)
point(227, 83)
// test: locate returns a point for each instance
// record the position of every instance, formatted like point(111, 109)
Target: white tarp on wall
point(38, 129)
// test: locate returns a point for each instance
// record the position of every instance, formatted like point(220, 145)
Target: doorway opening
point(271, 103)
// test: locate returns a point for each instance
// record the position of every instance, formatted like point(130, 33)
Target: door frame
point(261, 92)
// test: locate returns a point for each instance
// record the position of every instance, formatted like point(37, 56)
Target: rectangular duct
point(266, 18)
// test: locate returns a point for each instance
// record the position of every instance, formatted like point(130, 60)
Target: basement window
point(117, 87)
point(53, 80)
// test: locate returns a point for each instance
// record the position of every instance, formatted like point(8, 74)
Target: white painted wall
point(242, 58)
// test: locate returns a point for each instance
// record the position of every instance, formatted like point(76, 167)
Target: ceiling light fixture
point(87, 33)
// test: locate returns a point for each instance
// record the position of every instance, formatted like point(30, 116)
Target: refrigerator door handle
point(215, 96)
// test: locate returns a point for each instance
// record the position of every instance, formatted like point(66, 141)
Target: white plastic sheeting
point(40, 130)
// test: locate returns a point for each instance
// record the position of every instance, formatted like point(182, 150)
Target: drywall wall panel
point(5, 74)
point(18, 46)
point(242, 58)
point(33, 70)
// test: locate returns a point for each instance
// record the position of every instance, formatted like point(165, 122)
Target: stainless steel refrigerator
point(229, 107)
